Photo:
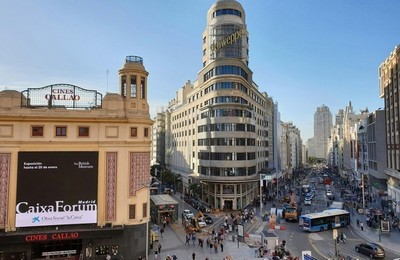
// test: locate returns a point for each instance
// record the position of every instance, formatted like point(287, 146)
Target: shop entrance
point(60, 250)
point(228, 204)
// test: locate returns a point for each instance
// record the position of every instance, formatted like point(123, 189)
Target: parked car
point(371, 249)
point(187, 213)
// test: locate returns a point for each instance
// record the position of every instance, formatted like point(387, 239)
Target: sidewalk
point(173, 243)
point(388, 240)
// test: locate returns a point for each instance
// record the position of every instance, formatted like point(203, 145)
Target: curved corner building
point(221, 125)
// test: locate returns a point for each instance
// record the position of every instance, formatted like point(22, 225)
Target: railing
point(134, 59)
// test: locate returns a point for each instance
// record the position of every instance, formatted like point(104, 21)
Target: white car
point(187, 213)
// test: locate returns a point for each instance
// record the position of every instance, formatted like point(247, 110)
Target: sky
point(303, 53)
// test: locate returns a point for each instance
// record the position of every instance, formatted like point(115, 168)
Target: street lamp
point(261, 185)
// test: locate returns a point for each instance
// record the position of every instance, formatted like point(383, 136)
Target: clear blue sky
point(303, 53)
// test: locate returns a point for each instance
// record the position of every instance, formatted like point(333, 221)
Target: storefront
point(66, 245)
point(163, 207)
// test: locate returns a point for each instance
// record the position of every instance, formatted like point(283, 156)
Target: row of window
point(227, 11)
point(223, 70)
point(226, 99)
point(227, 171)
point(226, 112)
point(132, 211)
point(83, 131)
point(226, 156)
point(133, 86)
point(230, 141)
point(227, 127)
point(226, 85)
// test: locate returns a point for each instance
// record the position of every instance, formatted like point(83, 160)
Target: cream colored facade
point(119, 131)
point(219, 129)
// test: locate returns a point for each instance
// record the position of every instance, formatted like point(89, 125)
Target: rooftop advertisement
point(56, 188)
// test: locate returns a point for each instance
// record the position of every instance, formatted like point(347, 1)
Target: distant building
point(389, 90)
point(318, 145)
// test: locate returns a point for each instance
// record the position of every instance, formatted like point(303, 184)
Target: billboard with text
point(56, 188)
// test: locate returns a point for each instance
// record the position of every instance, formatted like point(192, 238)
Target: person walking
point(358, 223)
point(362, 226)
point(222, 247)
point(162, 232)
point(187, 239)
point(155, 255)
point(194, 256)
point(159, 248)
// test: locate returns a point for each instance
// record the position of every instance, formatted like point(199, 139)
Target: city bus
point(325, 220)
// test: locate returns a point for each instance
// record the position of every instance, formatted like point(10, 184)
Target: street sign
point(306, 255)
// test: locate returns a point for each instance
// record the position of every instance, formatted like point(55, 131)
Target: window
point(133, 131)
point(132, 211)
point(61, 131)
point(37, 130)
point(144, 210)
point(123, 86)
point(133, 87)
point(146, 132)
point(83, 131)
point(142, 88)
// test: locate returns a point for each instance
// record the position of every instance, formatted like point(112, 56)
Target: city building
point(220, 128)
point(389, 87)
point(75, 170)
point(376, 146)
point(158, 140)
point(318, 145)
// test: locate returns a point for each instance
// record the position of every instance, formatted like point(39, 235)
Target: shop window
point(146, 132)
point(132, 211)
point(37, 130)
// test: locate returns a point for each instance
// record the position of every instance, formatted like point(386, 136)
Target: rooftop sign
point(61, 95)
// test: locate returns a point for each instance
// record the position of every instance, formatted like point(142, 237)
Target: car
point(203, 208)
point(187, 213)
point(307, 201)
point(372, 250)
point(208, 219)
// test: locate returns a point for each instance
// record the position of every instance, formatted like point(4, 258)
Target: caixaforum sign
point(56, 188)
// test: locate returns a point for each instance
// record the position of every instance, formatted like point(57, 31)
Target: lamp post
point(261, 185)
point(363, 191)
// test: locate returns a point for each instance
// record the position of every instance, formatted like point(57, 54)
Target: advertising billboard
point(56, 188)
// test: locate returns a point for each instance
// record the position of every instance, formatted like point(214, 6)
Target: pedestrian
point(187, 239)
point(362, 226)
point(194, 256)
point(222, 247)
point(162, 232)
point(216, 247)
point(358, 223)
point(155, 255)
point(159, 248)
point(194, 238)
point(211, 246)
